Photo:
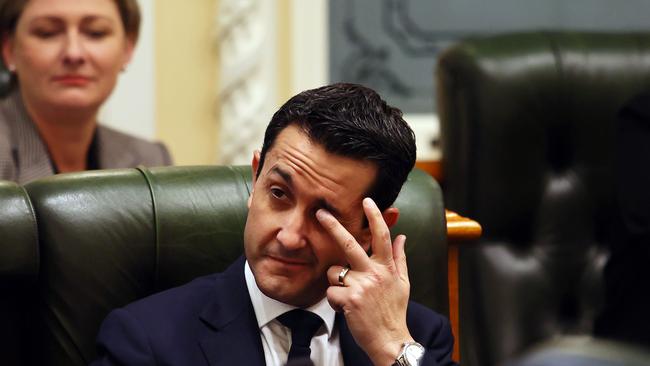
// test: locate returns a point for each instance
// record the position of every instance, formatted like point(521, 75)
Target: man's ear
point(390, 215)
point(255, 163)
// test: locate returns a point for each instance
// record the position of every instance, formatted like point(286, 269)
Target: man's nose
point(292, 234)
point(74, 52)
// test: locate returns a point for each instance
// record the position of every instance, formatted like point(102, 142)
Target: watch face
point(413, 353)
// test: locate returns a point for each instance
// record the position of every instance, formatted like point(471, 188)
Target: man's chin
point(287, 289)
point(283, 292)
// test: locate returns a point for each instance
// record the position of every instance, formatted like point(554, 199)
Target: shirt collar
point(267, 309)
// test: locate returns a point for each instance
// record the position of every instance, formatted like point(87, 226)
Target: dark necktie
point(303, 325)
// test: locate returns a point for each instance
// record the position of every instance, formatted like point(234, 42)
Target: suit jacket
point(24, 156)
point(211, 321)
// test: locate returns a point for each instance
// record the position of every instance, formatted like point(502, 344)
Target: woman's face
point(68, 53)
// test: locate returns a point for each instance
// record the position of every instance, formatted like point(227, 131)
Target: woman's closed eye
point(45, 32)
point(97, 33)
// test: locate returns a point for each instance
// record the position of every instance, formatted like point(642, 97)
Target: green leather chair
point(75, 246)
point(528, 123)
point(19, 260)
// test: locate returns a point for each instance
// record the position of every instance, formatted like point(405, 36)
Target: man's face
point(287, 249)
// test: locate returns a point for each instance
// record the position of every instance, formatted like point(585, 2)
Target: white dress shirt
point(276, 338)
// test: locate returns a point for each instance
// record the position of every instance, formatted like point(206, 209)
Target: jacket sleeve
point(122, 341)
point(440, 347)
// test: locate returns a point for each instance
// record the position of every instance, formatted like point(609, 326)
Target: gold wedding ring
point(342, 275)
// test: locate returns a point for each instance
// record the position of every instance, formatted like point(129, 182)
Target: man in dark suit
point(332, 163)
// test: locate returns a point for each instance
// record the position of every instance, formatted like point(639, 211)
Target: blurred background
point(529, 130)
point(518, 101)
point(208, 74)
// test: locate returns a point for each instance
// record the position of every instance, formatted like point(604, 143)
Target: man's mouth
point(288, 260)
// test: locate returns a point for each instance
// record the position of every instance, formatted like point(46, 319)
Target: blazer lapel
point(352, 354)
point(31, 155)
point(233, 337)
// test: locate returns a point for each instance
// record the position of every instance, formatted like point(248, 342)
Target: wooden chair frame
point(459, 230)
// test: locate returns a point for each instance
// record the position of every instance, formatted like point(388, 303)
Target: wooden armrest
point(461, 228)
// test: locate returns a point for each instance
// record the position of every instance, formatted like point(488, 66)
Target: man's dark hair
point(353, 121)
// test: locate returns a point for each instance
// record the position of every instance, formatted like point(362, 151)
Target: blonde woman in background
point(64, 57)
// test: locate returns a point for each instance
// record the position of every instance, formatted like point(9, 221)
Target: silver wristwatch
point(410, 355)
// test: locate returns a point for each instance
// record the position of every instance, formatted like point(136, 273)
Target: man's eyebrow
point(322, 203)
point(284, 175)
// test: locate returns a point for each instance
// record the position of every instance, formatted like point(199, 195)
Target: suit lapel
point(352, 354)
point(33, 159)
point(233, 337)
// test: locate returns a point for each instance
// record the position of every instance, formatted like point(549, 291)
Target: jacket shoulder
point(112, 142)
point(185, 299)
point(165, 325)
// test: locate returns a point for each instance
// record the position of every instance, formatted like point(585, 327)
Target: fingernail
point(368, 202)
point(322, 214)
point(401, 237)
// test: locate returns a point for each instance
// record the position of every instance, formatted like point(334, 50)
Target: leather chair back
point(107, 238)
point(528, 132)
point(18, 272)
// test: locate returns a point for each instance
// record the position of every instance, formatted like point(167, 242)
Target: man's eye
point(277, 193)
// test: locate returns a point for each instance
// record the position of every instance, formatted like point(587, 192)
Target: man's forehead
point(340, 177)
point(335, 180)
point(294, 137)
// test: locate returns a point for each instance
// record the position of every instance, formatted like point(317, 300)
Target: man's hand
point(375, 293)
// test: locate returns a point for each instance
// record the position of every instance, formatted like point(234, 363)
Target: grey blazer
point(24, 156)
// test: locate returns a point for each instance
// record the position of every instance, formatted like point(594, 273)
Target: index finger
point(354, 253)
point(381, 243)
